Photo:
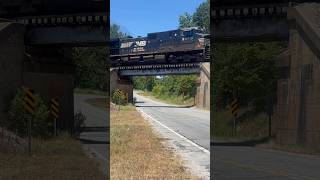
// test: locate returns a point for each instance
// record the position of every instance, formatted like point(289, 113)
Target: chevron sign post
point(234, 107)
point(55, 112)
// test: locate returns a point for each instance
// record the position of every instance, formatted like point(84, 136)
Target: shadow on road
point(87, 141)
point(167, 106)
point(95, 129)
point(139, 102)
point(242, 143)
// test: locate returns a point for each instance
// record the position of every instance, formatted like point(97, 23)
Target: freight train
point(181, 45)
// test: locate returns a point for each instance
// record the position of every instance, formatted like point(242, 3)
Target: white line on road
point(181, 136)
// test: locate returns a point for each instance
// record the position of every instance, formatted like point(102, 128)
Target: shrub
point(79, 123)
point(119, 97)
point(17, 121)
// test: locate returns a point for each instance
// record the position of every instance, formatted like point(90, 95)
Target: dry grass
point(99, 102)
point(137, 153)
point(59, 158)
point(90, 91)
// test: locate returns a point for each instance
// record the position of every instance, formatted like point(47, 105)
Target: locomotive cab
point(192, 36)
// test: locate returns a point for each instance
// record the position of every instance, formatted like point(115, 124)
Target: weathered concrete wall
point(11, 58)
point(120, 82)
point(297, 113)
point(54, 85)
point(203, 88)
point(50, 74)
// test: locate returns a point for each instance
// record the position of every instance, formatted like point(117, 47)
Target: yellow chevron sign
point(29, 100)
point(54, 108)
point(234, 107)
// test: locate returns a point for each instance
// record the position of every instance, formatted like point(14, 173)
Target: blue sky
point(139, 17)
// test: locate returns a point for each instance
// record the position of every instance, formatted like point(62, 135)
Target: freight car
point(181, 45)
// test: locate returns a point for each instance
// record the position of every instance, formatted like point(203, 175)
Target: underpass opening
point(175, 52)
point(49, 38)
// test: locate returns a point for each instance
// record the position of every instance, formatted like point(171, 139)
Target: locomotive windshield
point(188, 33)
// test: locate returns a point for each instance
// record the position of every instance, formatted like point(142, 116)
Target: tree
point(185, 21)
point(90, 67)
point(115, 32)
point(201, 18)
point(244, 70)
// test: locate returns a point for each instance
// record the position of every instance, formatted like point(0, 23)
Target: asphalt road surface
point(186, 132)
point(192, 123)
point(95, 137)
point(246, 162)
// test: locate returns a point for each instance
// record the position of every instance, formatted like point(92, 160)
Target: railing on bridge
point(159, 69)
point(60, 22)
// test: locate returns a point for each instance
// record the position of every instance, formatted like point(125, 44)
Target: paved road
point(241, 163)
point(186, 131)
point(96, 137)
point(192, 123)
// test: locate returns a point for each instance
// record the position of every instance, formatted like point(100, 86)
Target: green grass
point(90, 91)
point(249, 128)
point(58, 158)
point(176, 100)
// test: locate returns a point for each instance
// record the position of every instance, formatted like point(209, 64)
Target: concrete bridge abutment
point(202, 99)
point(11, 62)
point(297, 112)
point(45, 70)
point(124, 83)
point(50, 74)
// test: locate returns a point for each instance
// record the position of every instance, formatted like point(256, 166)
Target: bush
point(17, 122)
point(79, 123)
point(119, 97)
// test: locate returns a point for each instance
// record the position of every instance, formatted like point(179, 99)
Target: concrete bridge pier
point(123, 83)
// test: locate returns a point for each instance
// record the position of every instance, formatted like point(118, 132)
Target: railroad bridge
point(121, 75)
point(296, 116)
point(36, 38)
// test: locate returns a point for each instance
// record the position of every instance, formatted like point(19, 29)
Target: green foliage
point(91, 64)
point(17, 121)
point(255, 126)
point(119, 97)
point(168, 87)
point(115, 32)
point(201, 18)
point(244, 70)
point(91, 68)
point(79, 122)
point(144, 83)
point(186, 20)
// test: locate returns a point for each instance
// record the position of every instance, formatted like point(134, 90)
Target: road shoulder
point(196, 158)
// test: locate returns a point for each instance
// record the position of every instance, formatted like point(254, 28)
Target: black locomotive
point(181, 45)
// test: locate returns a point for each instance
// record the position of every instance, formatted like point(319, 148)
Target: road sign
point(55, 112)
point(234, 107)
point(30, 106)
point(29, 100)
point(55, 108)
